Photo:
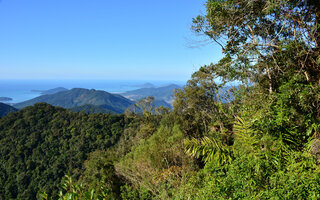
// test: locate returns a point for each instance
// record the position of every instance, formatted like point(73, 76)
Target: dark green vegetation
point(6, 109)
point(80, 97)
point(40, 144)
point(165, 93)
point(5, 99)
point(91, 109)
point(159, 103)
point(262, 143)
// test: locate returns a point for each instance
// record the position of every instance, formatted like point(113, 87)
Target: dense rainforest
point(40, 144)
point(258, 140)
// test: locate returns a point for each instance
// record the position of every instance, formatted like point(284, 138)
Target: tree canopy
point(264, 40)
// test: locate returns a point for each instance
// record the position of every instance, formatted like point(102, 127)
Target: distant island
point(145, 85)
point(51, 91)
point(5, 99)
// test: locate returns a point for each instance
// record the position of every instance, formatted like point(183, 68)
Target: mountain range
point(98, 101)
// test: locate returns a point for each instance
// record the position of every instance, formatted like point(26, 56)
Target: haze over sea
point(22, 90)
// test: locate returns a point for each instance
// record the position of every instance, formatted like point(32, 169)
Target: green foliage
point(91, 109)
point(99, 173)
point(242, 180)
point(155, 164)
point(270, 47)
point(40, 144)
point(198, 107)
point(263, 167)
point(73, 191)
point(130, 193)
point(291, 114)
point(263, 41)
point(209, 149)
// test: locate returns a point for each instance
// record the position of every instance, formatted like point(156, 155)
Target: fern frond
point(209, 149)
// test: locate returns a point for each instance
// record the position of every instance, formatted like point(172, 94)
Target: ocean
point(22, 90)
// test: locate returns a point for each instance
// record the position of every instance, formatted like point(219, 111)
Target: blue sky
point(101, 39)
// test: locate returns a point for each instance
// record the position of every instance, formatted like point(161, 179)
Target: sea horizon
point(22, 90)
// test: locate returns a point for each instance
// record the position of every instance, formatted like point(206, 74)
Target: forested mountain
point(80, 97)
point(165, 93)
point(6, 109)
point(40, 144)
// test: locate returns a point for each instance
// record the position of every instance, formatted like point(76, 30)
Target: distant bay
point(22, 90)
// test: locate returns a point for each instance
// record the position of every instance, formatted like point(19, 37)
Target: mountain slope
point(78, 97)
point(161, 93)
point(6, 109)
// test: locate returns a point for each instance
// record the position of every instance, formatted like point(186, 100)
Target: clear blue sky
point(101, 39)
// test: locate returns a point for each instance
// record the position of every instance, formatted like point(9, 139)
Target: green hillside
point(79, 97)
point(42, 143)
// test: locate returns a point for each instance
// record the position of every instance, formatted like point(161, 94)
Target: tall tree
point(264, 40)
